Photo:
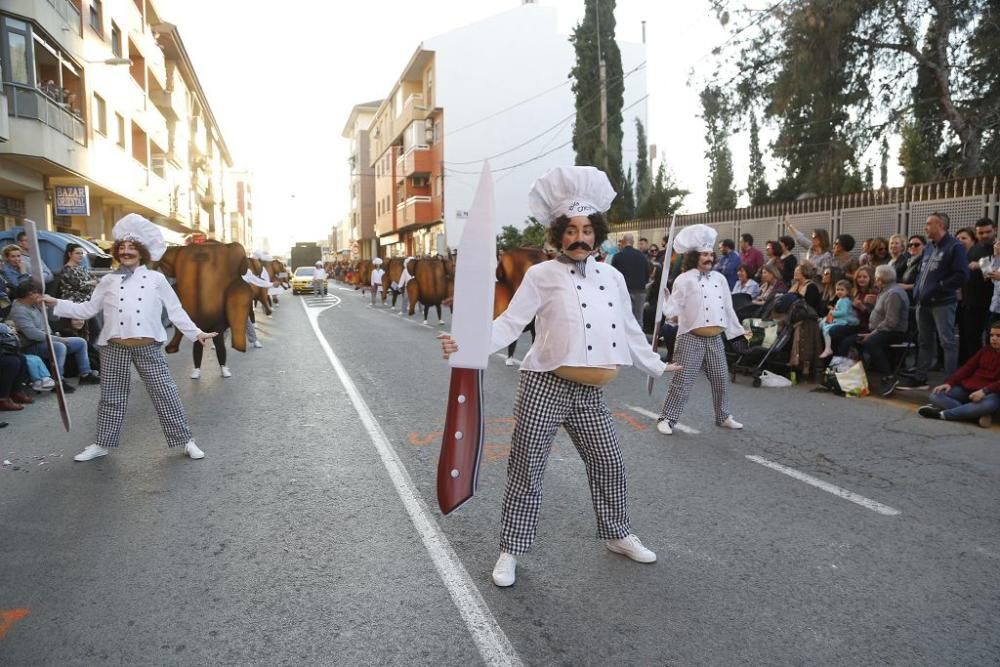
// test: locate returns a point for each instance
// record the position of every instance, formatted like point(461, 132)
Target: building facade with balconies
point(359, 226)
point(102, 95)
point(466, 96)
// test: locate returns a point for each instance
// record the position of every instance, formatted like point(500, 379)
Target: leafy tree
point(643, 177)
point(509, 237)
point(628, 197)
point(587, 40)
point(836, 77)
point(757, 188)
point(534, 234)
point(721, 195)
point(665, 197)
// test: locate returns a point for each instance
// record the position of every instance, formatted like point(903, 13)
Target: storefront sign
point(72, 200)
point(388, 239)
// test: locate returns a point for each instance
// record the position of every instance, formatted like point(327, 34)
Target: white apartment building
point(105, 116)
point(496, 89)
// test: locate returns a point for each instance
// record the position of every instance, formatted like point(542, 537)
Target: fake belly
point(588, 375)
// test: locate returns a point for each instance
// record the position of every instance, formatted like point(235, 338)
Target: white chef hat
point(256, 254)
point(265, 257)
point(570, 191)
point(696, 237)
point(134, 227)
point(377, 261)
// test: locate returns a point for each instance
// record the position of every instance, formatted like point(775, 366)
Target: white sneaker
point(195, 374)
point(731, 423)
point(48, 383)
point(257, 344)
point(226, 373)
point(509, 361)
point(192, 450)
point(664, 427)
point(441, 322)
point(503, 571)
point(39, 385)
point(631, 547)
point(91, 452)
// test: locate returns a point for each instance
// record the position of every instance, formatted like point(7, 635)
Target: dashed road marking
point(867, 503)
point(652, 415)
point(489, 637)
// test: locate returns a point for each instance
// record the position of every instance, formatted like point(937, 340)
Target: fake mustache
point(579, 245)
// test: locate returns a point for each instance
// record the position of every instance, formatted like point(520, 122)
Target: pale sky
point(282, 83)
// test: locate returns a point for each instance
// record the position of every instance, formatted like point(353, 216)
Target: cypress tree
point(757, 189)
point(721, 195)
point(643, 177)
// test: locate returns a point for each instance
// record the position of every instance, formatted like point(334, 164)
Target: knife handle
point(462, 441)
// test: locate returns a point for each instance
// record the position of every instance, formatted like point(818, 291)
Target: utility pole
point(602, 79)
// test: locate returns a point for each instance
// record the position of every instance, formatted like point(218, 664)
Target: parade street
point(830, 531)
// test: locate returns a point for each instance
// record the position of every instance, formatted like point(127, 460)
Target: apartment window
point(116, 40)
point(120, 123)
point(97, 16)
point(17, 46)
point(100, 115)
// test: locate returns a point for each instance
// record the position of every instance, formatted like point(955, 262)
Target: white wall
point(496, 63)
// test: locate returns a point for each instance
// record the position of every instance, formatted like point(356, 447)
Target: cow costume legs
point(544, 403)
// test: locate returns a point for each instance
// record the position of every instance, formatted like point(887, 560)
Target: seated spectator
point(887, 326)
point(973, 391)
point(828, 287)
point(841, 316)
point(13, 372)
point(770, 283)
point(744, 283)
point(804, 284)
point(842, 258)
point(772, 255)
point(878, 253)
point(28, 318)
point(15, 269)
point(864, 294)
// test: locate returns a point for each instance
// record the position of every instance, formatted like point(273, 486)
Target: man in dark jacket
point(634, 266)
point(974, 310)
point(944, 268)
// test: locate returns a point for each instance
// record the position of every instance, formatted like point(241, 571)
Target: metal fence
point(863, 215)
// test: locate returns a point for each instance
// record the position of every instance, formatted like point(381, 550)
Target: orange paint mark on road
point(9, 617)
point(637, 425)
point(419, 439)
point(496, 451)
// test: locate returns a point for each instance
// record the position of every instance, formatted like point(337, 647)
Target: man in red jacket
point(973, 391)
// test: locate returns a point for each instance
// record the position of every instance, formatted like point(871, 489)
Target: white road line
point(493, 645)
point(826, 486)
point(652, 415)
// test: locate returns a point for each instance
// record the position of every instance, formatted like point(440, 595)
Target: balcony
point(27, 102)
point(417, 161)
point(414, 211)
point(413, 109)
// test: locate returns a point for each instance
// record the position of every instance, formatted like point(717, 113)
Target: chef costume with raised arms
point(703, 307)
point(584, 331)
point(133, 334)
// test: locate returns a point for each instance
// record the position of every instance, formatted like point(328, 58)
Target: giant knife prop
point(471, 328)
point(38, 276)
point(664, 278)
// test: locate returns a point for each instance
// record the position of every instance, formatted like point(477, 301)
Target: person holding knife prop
point(585, 331)
point(132, 299)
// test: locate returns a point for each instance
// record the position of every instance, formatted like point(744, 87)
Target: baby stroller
point(753, 360)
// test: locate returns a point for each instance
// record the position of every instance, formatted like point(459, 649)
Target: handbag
point(9, 342)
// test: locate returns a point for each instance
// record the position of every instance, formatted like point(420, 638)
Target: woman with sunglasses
point(817, 248)
point(915, 247)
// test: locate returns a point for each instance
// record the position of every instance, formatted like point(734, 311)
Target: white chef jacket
point(579, 321)
point(377, 277)
point(132, 305)
point(702, 300)
point(250, 278)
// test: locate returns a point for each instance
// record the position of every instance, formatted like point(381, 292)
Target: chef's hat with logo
point(570, 191)
point(134, 227)
point(696, 237)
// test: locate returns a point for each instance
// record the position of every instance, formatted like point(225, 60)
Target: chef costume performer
point(131, 300)
point(585, 331)
point(376, 281)
point(255, 281)
point(276, 287)
point(703, 309)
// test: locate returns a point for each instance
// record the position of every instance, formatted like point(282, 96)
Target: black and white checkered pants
point(695, 353)
point(544, 403)
point(115, 380)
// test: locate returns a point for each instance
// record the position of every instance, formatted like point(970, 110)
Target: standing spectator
point(944, 267)
point(974, 308)
point(643, 245)
point(772, 255)
point(634, 266)
point(786, 244)
point(750, 257)
point(973, 391)
point(22, 240)
point(842, 258)
point(728, 261)
point(878, 253)
point(898, 255)
point(817, 249)
point(887, 326)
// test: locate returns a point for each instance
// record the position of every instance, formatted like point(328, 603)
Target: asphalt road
point(309, 534)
